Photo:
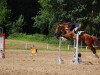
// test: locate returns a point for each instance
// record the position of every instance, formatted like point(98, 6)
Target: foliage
point(17, 25)
point(37, 38)
point(4, 14)
point(49, 15)
point(30, 16)
point(83, 11)
point(34, 37)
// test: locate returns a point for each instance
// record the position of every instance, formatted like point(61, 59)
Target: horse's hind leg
point(94, 51)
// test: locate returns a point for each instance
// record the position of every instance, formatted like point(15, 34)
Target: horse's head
point(61, 29)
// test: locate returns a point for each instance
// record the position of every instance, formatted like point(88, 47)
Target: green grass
point(18, 41)
point(40, 42)
point(21, 45)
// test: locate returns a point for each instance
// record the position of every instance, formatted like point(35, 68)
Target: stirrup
point(80, 32)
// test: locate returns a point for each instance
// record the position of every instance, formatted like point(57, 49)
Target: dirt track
point(45, 63)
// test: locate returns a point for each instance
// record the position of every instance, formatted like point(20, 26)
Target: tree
point(17, 25)
point(27, 8)
point(48, 16)
point(52, 11)
point(4, 14)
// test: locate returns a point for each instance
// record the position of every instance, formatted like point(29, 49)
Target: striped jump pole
point(59, 59)
point(2, 43)
point(77, 55)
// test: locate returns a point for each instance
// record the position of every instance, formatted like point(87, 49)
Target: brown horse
point(62, 30)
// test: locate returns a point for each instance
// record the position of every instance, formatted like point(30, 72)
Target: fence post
point(26, 46)
point(68, 47)
point(47, 46)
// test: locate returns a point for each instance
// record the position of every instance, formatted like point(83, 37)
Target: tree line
point(42, 16)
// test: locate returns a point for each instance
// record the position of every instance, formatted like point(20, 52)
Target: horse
point(62, 30)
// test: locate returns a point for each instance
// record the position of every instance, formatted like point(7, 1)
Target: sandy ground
point(46, 63)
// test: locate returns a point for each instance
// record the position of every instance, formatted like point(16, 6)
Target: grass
point(26, 45)
point(21, 41)
point(21, 45)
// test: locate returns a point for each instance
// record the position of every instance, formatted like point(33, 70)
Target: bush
point(34, 37)
point(37, 38)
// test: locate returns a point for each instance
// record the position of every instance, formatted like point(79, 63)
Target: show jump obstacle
point(59, 59)
point(2, 44)
point(77, 56)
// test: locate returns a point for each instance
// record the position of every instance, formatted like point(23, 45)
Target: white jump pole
point(59, 60)
point(77, 38)
point(75, 60)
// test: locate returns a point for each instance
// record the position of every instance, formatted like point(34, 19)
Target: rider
point(74, 26)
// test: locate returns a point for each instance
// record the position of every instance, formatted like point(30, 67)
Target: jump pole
point(59, 60)
point(2, 43)
point(76, 58)
point(76, 53)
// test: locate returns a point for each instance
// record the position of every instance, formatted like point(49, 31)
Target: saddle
point(80, 33)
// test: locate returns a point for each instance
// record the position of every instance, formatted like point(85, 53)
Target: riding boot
point(76, 30)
